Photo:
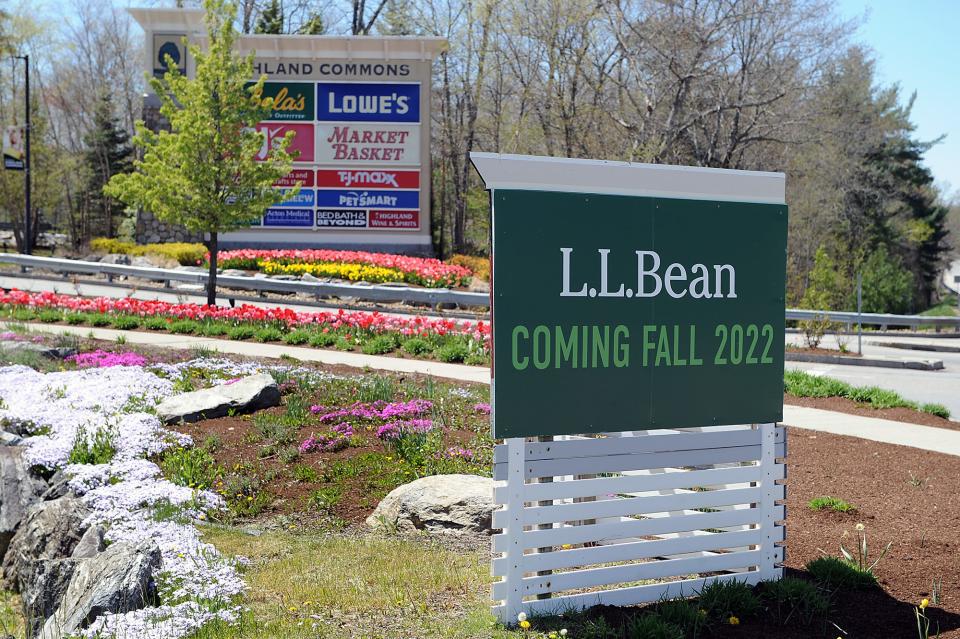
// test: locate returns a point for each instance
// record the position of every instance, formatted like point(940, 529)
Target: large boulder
point(41, 600)
point(242, 396)
point(19, 489)
point(51, 530)
point(441, 503)
point(13, 348)
point(119, 579)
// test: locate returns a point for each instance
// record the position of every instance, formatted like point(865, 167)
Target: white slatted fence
point(632, 517)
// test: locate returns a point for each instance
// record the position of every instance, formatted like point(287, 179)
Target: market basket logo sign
point(635, 312)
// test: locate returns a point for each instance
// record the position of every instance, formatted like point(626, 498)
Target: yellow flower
point(566, 546)
point(293, 608)
point(859, 527)
point(924, 603)
point(733, 620)
point(703, 613)
point(525, 624)
point(552, 635)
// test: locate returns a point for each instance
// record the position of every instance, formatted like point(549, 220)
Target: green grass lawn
point(319, 585)
point(802, 384)
point(946, 308)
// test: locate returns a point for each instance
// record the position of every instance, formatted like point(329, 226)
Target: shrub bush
point(268, 334)
point(416, 346)
point(96, 449)
point(452, 352)
point(191, 467)
point(241, 332)
point(379, 345)
point(125, 322)
point(936, 409)
point(725, 599)
point(184, 253)
point(480, 266)
point(831, 503)
point(184, 327)
point(298, 336)
point(322, 340)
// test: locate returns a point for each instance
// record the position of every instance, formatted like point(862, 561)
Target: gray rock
point(19, 489)
point(440, 503)
point(120, 579)
point(91, 544)
point(307, 277)
point(115, 258)
point(51, 530)
point(59, 486)
point(479, 286)
point(285, 277)
point(53, 352)
point(243, 396)
point(9, 439)
point(143, 260)
point(233, 272)
point(41, 600)
point(192, 269)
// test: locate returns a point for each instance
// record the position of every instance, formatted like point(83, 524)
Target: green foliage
point(49, 316)
point(244, 331)
point(831, 503)
point(184, 253)
point(184, 327)
point(837, 574)
point(936, 409)
point(98, 448)
point(416, 346)
point(377, 388)
point(296, 337)
point(794, 601)
point(305, 474)
point(651, 626)
point(268, 334)
point(802, 384)
point(325, 498)
point(271, 19)
point(454, 351)
point(125, 322)
point(322, 340)
point(685, 614)
point(379, 345)
point(887, 285)
point(156, 323)
point(191, 467)
point(108, 153)
point(725, 599)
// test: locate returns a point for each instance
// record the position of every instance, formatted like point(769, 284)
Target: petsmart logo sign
point(364, 102)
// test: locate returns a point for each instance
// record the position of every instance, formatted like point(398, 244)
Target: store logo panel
point(368, 102)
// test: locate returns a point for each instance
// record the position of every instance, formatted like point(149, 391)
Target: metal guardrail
point(376, 292)
point(883, 320)
point(394, 293)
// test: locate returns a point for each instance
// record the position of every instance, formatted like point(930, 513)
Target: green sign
point(292, 101)
point(622, 312)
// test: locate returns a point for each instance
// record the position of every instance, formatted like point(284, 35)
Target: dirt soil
point(793, 348)
point(844, 405)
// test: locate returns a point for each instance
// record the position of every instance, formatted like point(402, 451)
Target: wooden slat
point(629, 596)
point(632, 506)
point(632, 528)
point(607, 575)
point(639, 461)
point(632, 550)
point(635, 483)
point(622, 443)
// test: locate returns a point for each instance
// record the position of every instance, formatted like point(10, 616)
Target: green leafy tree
point(108, 153)
point(825, 292)
point(203, 173)
point(887, 285)
point(271, 20)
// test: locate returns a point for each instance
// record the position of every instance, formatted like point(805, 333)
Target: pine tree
point(108, 153)
point(203, 173)
point(313, 26)
point(397, 19)
point(271, 20)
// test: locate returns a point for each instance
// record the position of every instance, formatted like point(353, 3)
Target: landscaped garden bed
point(281, 496)
point(349, 265)
point(369, 333)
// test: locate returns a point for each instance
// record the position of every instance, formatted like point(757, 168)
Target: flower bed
point(370, 333)
point(421, 271)
point(124, 490)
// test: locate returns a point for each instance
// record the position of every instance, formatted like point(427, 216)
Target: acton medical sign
point(651, 297)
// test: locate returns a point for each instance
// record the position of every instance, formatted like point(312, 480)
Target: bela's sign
point(669, 313)
point(291, 100)
point(367, 102)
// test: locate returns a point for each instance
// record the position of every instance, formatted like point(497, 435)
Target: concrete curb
point(917, 346)
point(882, 362)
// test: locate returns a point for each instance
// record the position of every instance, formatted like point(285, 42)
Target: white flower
point(563, 632)
point(522, 616)
point(859, 527)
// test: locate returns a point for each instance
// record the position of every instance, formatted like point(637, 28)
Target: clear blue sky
point(917, 45)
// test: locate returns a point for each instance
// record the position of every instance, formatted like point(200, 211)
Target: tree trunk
point(212, 279)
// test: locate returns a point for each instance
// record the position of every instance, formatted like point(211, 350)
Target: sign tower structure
point(360, 110)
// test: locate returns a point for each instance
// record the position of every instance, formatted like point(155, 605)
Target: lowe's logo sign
point(365, 102)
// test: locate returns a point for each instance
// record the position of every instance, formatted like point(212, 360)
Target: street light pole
point(27, 235)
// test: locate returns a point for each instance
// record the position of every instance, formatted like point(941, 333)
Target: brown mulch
point(792, 348)
point(922, 521)
point(844, 405)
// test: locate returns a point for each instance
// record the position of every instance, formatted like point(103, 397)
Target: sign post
point(634, 300)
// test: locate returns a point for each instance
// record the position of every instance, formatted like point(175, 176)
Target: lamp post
point(27, 235)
